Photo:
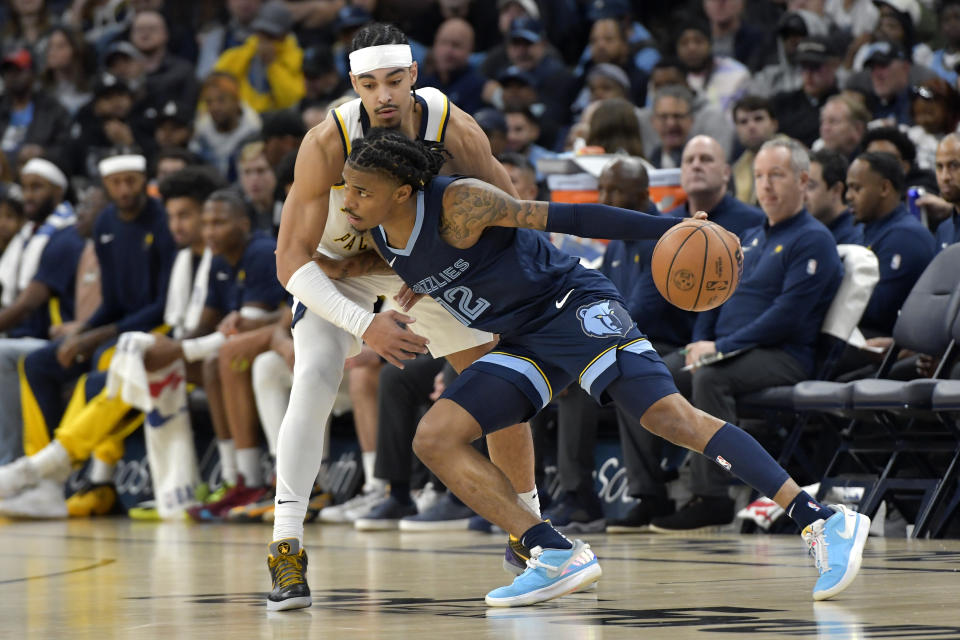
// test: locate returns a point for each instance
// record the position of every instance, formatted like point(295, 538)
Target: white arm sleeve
point(314, 289)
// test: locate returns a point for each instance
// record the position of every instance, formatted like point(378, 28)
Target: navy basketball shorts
point(593, 343)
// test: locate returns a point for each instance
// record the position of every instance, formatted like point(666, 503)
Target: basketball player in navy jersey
point(331, 315)
point(472, 248)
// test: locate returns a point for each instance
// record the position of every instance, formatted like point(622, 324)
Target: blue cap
point(516, 73)
point(883, 53)
point(525, 28)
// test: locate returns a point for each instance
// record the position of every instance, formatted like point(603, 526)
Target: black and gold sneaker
point(288, 571)
point(515, 556)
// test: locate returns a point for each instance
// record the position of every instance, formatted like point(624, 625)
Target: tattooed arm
point(470, 206)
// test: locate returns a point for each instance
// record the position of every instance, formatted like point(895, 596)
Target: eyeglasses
point(923, 93)
point(671, 116)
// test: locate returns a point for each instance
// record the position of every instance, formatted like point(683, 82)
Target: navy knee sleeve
point(739, 453)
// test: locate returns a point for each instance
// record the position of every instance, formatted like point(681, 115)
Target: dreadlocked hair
point(412, 162)
point(376, 34)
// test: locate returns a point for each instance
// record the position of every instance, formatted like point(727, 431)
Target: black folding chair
point(884, 433)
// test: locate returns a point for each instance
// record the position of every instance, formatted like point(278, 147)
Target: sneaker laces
point(535, 563)
point(287, 572)
point(817, 543)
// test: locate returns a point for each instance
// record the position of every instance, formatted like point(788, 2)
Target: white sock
point(248, 464)
point(100, 472)
point(288, 516)
point(370, 483)
point(532, 500)
point(228, 461)
point(52, 461)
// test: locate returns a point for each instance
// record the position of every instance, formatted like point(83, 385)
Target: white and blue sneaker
point(836, 545)
point(550, 573)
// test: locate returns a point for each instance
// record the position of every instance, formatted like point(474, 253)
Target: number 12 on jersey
point(468, 309)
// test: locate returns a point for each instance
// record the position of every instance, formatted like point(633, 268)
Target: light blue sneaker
point(836, 545)
point(550, 573)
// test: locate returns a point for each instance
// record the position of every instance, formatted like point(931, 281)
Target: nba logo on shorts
point(723, 463)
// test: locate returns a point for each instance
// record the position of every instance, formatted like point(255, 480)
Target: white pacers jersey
point(339, 238)
point(446, 334)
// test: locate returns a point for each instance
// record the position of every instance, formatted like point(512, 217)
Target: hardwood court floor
point(114, 578)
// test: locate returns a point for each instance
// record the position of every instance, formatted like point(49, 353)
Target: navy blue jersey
point(135, 260)
point(511, 281)
point(253, 280)
point(58, 271)
point(904, 248)
point(948, 232)
point(845, 229)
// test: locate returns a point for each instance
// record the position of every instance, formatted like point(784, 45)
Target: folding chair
point(924, 326)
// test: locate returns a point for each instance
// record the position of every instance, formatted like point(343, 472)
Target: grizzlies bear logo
point(604, 319)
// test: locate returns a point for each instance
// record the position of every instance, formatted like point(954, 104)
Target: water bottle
point(914, 194)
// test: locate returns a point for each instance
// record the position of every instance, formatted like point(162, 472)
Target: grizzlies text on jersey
point(557, 320)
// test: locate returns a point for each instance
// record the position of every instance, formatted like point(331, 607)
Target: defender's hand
point(406, 298)
point(390, 339)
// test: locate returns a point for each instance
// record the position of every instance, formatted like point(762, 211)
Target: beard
point(44, 209)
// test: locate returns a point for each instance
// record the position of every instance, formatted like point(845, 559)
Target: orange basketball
point(696, 265)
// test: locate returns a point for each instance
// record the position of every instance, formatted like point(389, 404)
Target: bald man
point(168, 78)
point(705, 177)
point(448, 66)
point(948, 179)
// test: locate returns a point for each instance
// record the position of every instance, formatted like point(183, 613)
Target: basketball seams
point(676, 253)
point(703, 269)
point(733, 285)
point(674, 264)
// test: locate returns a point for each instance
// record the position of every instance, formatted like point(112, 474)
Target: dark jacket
point(49, 125)
point(791, 271)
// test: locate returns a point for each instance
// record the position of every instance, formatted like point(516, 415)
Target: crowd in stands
point(146, 147)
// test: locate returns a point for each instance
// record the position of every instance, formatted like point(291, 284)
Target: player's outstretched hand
point(388, 336)
point(406, 298)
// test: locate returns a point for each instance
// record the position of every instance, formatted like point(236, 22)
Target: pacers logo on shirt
point(148, 241)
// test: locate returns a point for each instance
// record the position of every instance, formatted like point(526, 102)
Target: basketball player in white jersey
point(332, 316)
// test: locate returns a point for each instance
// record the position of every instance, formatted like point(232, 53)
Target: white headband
point(383, 56)
point(116, 164)
point(46, 170)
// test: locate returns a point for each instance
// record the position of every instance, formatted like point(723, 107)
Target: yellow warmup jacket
point(284, 75)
